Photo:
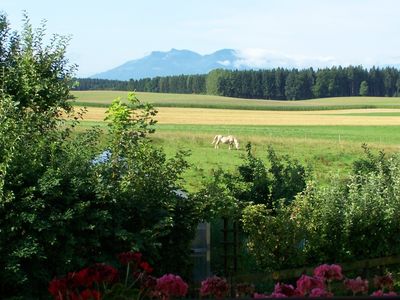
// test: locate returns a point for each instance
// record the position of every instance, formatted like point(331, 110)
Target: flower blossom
point(329, 272)
point(260, 296)
point(128, 257)
point(286, 289)
point(357, 285)
point(384, 282)
point(318, 292)
point(380, 293)
point(307, 283)
point(171, 285)
point(214, 286)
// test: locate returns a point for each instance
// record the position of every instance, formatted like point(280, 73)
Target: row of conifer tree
point(276, 84)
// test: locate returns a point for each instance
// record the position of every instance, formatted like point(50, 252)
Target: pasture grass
point(104, 98)
point(326, 149)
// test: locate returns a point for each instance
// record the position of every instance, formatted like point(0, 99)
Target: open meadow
point(327, 140)
point(103, 99)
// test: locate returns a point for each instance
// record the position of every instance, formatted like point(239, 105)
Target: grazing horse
point(230, 139)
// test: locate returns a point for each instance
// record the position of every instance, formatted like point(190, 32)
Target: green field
point(104, 98)
point(327, 149)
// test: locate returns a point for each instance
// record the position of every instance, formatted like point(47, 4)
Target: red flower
point(102, 273)
point(90, 295)
point(146, 267)
point(328, 272)
point(83, 278)
point(58, 287)
point(128, 257)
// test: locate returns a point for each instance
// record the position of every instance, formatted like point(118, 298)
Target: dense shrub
point(257, 182)
point(258, 194)
point(354, 218)
point(63, 208)
point(351, 218)
point(274, 238)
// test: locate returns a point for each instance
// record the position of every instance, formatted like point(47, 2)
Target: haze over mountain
point(176, 62)
point(173, 62)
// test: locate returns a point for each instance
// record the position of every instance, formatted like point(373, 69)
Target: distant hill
point(173, 62)
point(177, 62)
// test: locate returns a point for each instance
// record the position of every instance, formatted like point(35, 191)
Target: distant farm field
point(104, 98)
point(204, 116)
point(327, 140)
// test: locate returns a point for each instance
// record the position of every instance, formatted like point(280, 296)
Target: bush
point(354, 218)
point(274, 238)
point(61, 208)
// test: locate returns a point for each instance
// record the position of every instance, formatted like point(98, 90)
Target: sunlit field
point(104, 98)
point(325, 134)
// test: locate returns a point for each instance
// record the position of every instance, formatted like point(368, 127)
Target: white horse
point(230, 139)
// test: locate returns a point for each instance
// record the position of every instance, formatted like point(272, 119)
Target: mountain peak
point(172, 62)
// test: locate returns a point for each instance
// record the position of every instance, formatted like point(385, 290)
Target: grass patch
point(372, 114)
point(327, 149)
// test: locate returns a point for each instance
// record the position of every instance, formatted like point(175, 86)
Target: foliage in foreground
point(328, 280)
point(349, 219)
point(269, 183)
point(105, 282)
point(62, 206)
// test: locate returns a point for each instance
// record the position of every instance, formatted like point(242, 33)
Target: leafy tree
point(213, 82)
point(39, 77)
point(61, 207)
point(364, 88)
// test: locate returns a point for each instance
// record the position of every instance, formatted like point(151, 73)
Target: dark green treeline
point(276, 84)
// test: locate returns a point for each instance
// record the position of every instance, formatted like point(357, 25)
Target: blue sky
point(108, 33)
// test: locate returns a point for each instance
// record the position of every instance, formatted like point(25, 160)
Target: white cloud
point(262, 58)
point(224, 62)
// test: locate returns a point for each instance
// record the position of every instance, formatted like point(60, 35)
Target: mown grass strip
point(248, 107)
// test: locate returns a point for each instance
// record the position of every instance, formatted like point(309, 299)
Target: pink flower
point(328, 272)
point(380, 293)
point(278, 295)
point(356, 285)
point(171, 285)
point(318, 292)
point(285, 289)
point(214, 286)
point(382, 282)
point(260, 296)
point(306, 283)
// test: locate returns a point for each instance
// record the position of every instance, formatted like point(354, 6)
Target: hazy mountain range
point(176, 62)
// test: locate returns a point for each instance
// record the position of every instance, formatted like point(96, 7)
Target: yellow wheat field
point(172, 115)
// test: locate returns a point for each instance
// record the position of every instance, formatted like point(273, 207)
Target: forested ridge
point(275, 84)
